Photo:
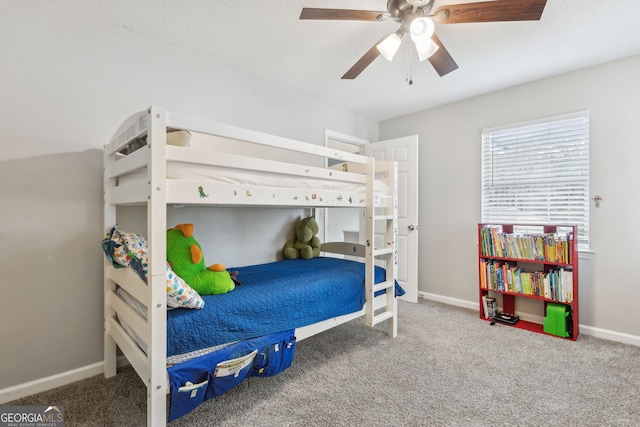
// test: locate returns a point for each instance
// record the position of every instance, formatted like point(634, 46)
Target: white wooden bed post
point(109, 215)
point(392, 233)
point(369, 242)
point(156, 232)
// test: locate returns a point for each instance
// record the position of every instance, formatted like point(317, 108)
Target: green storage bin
point(556, 322)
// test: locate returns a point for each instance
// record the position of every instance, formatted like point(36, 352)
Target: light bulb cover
point(426, 49)
point(421, 29)
point(389, 46)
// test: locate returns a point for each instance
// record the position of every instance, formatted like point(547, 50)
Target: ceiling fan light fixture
point(421, 30)
point(389, 46)
point(426, 49)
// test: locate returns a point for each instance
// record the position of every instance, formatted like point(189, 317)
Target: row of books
point(556, 284)
point(550, 247)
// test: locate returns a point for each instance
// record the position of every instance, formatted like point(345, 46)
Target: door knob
point(411, 227)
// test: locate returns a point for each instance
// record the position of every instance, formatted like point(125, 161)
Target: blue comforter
point(274, 297)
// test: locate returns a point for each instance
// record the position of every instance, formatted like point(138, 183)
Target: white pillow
point(179, 138)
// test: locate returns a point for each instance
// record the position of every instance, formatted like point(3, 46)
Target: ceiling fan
point(415, 18)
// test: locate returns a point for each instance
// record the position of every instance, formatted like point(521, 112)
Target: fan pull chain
point(409, 79)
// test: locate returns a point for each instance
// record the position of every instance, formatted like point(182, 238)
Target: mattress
point(221, 175)
point(273, 297)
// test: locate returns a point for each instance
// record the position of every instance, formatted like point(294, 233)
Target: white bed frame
point(156, 191)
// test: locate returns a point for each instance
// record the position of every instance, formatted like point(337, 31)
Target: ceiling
point(266, 38)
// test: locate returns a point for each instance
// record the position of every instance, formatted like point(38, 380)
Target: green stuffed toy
point(306, 244)
point(185, 257)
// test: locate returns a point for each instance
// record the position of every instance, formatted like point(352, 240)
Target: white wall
point(65, 87)
point(449, 185)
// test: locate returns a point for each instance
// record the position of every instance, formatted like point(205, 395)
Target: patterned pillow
point(179, 294)
point(131, 250)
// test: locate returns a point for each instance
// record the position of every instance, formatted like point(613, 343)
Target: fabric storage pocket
point(187, 397)
point(287, 353)
point(229, 373)
point(196, 371)
point(274, 357)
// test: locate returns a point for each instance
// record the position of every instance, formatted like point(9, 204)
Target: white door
point(405, 152)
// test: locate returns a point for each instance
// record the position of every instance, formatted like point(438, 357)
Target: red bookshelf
point(535, 262)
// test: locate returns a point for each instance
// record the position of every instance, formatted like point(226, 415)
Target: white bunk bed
point(146, 177)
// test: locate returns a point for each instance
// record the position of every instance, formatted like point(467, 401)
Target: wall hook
point(597, 199)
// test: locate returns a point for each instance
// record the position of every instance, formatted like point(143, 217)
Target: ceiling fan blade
point(490, 11)
point(363, 62)
point(340, 14)
point(442, 60)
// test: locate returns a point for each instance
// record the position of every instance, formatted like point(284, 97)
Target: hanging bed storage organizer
point(149, 163)
point(196, 380)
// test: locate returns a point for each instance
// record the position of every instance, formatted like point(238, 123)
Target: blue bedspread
point(274, 297)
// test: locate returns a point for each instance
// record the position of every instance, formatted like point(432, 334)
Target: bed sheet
point(274, 297)
point(195, 172)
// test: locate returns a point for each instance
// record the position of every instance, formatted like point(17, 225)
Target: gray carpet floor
point(445, 368)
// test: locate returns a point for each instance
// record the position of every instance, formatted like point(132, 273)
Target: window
point(538, 173)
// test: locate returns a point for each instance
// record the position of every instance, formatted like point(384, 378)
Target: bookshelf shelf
point(534, 262)
point(529, 326)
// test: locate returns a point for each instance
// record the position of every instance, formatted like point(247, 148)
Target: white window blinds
point(538, 173)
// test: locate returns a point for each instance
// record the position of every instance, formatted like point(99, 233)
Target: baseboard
point(584, 329)
point(448, 300)
point(43, 384)
point(610, 335)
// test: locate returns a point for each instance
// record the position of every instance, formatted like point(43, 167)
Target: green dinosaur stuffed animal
point(306, 244)
point(185, 257)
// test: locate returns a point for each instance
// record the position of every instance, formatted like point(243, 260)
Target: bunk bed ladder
point(381, 249)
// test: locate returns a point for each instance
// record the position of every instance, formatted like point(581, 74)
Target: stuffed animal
point(185, 257)
point(306, 244)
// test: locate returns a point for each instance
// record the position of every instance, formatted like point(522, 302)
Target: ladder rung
point(382, 317)
point(380, 252)
point(383, 285)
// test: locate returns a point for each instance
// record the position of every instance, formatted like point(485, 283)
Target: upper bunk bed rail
point(134, 127)
point(207, 127)
point(137, 125)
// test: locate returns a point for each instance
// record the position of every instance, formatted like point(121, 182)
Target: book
point(492, 307)
point(485, 310)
